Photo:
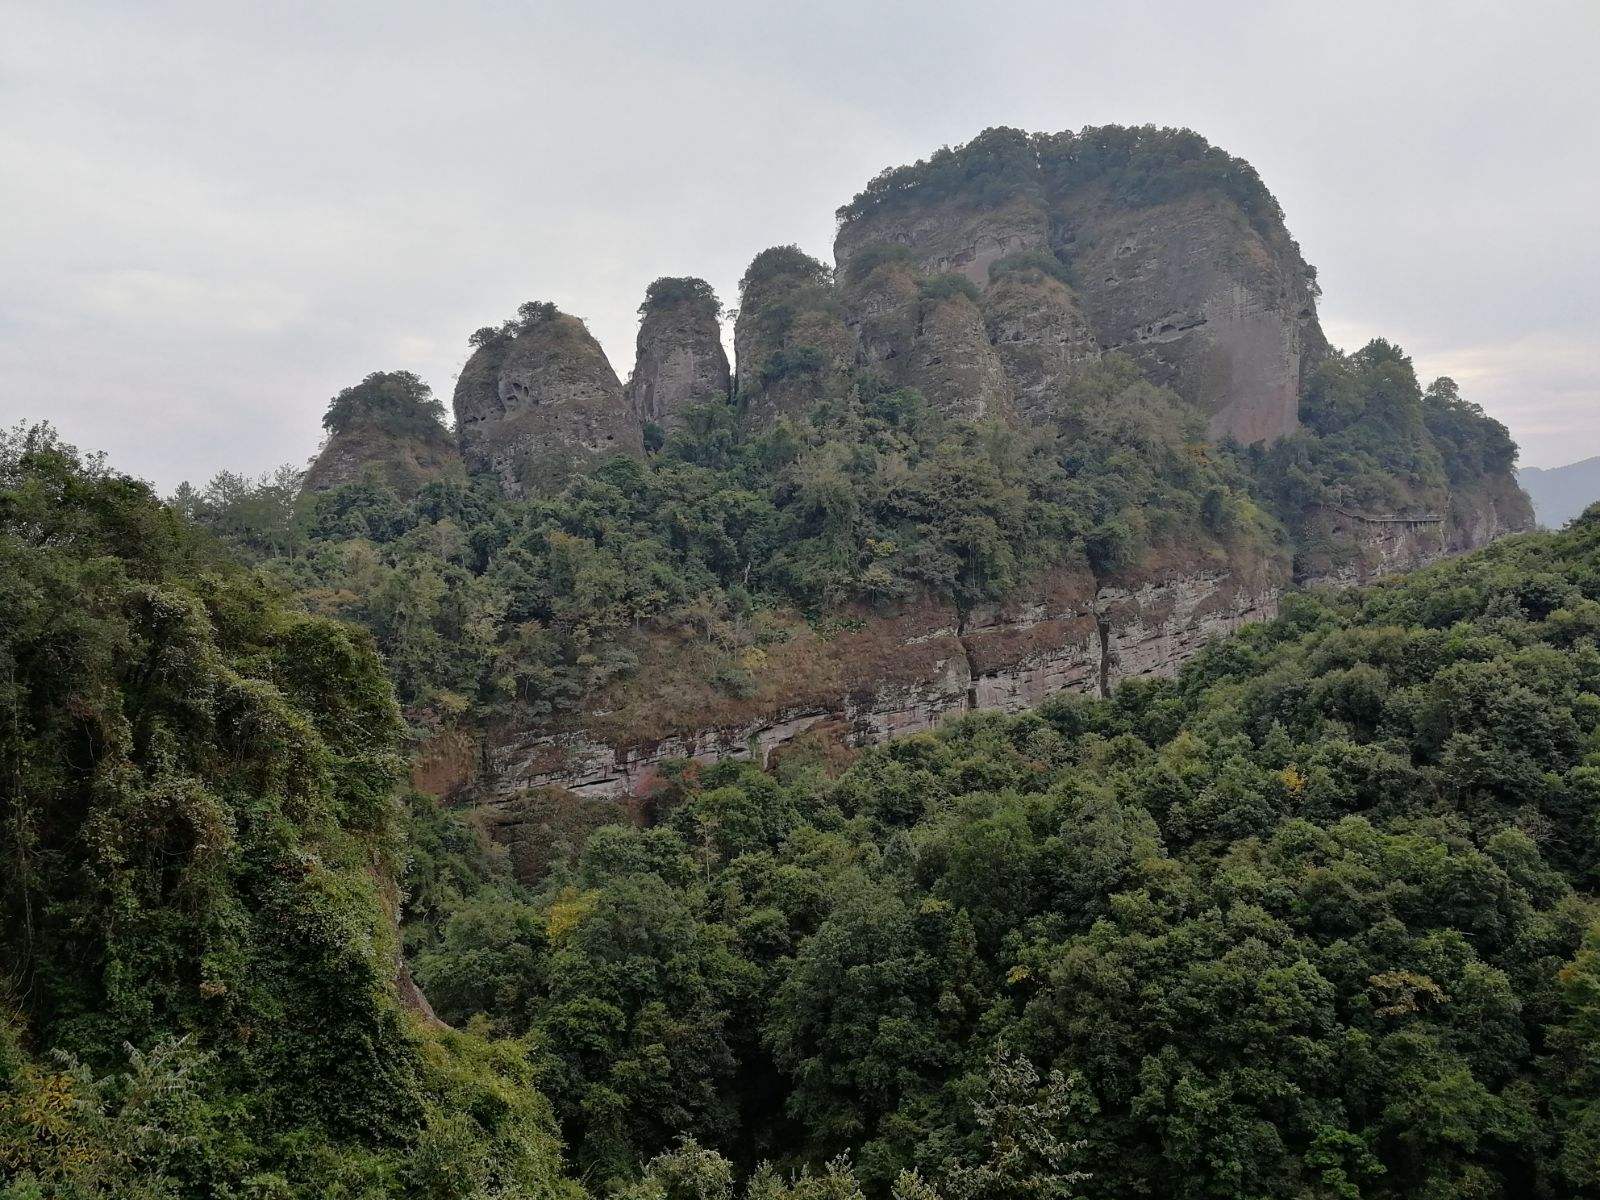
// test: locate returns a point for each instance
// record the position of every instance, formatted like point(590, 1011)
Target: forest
point(1314, 919)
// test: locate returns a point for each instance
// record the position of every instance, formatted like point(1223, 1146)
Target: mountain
point(1560, 493)
point(1059, 412)
point(933, 756)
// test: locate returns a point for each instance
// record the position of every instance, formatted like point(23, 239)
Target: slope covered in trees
point(1317, 918)
point(202, 843)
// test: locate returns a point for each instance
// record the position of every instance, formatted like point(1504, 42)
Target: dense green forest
point(1315, 919)
point(202, 840)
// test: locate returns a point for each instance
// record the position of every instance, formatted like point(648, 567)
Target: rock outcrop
point(539, 401)
point(680, 360)
point(1174, 251)
point(791, 346)
point(388, 428)
point(1036, 324)
point(404, 461)
point(1209, 304)
point(927, 334)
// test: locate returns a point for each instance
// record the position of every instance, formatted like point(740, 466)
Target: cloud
point(218, 216)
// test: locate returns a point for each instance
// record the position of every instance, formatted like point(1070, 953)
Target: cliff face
point(679, 360)
point(1208, 304)
point(928, 335)
point(534, 406)
point(1212, 300)
point(893, 672)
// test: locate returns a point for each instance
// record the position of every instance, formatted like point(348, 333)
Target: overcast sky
point(214, 216)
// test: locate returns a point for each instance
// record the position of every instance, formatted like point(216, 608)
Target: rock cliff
point(538, 400)
point(888, 673)
point(1196, 277)
point(680, 361)
point(791, 345)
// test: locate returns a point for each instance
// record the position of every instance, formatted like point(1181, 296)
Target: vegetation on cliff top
point(1139, 165)
point(396, 401)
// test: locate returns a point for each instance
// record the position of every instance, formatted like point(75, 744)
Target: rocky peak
point(680, 359)
point(791, 344)
point(1169, 249)
point(388, 427)
point(538, 401)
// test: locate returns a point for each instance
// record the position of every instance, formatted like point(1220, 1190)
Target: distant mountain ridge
point(1561, 493)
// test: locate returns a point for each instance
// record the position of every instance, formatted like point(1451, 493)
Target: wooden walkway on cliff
point(1365, 519)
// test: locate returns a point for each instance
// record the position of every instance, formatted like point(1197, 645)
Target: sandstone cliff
point(1196, 276)
point(680, 360)
point(882, 674)
point(927, 334)
point(539, 401)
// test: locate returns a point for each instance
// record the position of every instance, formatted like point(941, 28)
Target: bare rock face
point(929, 335)
point(909, 670)
point(1208, 304)
point(538, 402)
point(790, 342)
point(1040, 334)
point(680, 359)
point(959, 235)
point(1174, 251)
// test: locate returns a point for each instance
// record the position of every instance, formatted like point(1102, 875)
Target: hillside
point(1314, 917)
point(1060, 412)
point(1560, 493)
point(201, 988)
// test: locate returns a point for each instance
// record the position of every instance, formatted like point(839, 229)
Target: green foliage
point(1316, 918)
point(787, 263)
point(530, 315)
point(396, 401)
point(672, 290)
point(869, 258)
point(1029, 260)
point(198, 825)
point(1139, 165)
point(947, 287)
point(485, 605)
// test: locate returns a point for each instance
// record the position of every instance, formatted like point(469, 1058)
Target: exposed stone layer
point(534, 408)
point(1067, 633)
point(950, 236)
point(1202, 298)
point(680, 362)
point(1040, 334)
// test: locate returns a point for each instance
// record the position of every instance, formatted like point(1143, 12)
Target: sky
point(214, 215)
